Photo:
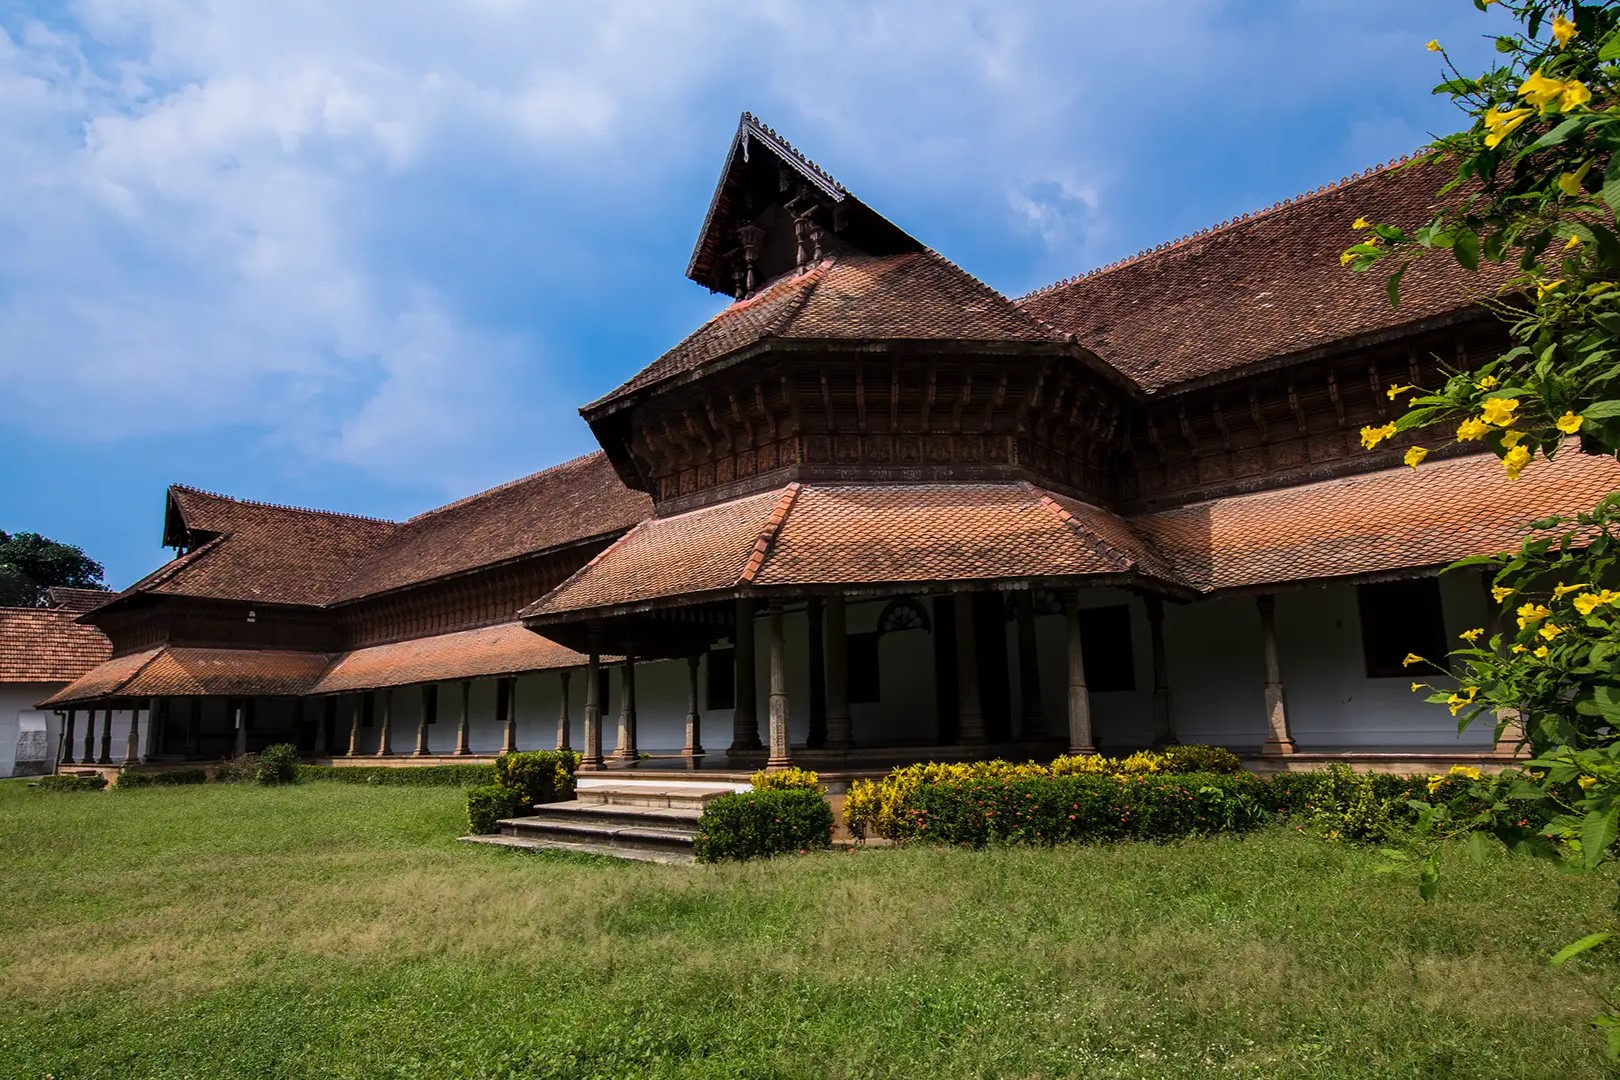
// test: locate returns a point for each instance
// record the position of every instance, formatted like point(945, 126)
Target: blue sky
point(372, 256)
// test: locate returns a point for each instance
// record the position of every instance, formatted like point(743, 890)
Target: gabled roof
point(578, 500)
point(75, 601)
point(179, 671)
point(47, 645)
point(507, 649)
point(1263, 287)
point(853, 296)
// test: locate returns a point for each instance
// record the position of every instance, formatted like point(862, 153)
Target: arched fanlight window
point(902, 614)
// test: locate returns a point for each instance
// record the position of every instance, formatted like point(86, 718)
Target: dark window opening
point(1398, 618)
point(865, 688)
point(368, 710)
point(1105, 644)
point(722, 685)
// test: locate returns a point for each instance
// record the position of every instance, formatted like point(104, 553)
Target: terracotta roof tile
point(1263, 287)
point(46, 645)
point(911, 296)
point(76, 601)
point(105, 678)
point(567, 503)
point(1375, 522)
point(186, 671)
point(507, 649)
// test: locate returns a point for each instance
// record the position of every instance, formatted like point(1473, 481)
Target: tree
point(31, 563)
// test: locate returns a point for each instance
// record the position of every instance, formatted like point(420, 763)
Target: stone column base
point(1278, 748)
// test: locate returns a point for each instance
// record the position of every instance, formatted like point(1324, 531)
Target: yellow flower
point(1515, 460)
point(1472, 636)
point(1586, 782)
point(1562, 30)
point(1545, 93)
point(1570, 183)
point(1572, 242)
point(1361, 223)
point(1500, 593)
point(1433, 46)
point(1550, 631)
point(1532, 613)
point(1586, 603)
point(1575, 93)
point(1487, 382)
point(1471, 429)
point(1372, 436)
point(1466, 771)
point(1414, 658)
point(1500, 123)
point(1569, 423)
point(1539, 654)
point(1393, 390)
point(1414, 456)
point(1419, 686)
point(1347, 258)
point(1511, 438)
point(1561, 590)
point(1499, 411)
point(1460, 702)
point(1543, 288)
point(1436, 781)
point(1517, 649)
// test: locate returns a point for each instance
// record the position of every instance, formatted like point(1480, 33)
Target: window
point(722, 688)
point(1105, 643)
point(1397, 618)
point(864, 685)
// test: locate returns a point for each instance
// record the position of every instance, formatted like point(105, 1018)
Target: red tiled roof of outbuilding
point(39, 645)
point(1261, 288)
point(507, 649)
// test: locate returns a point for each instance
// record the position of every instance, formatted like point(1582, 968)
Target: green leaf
point(1429, 878)
point(1611, 47)
point(1601, 410)
point(1598, 831)
point(1479, 847)
point(1575, 948)
point(1395, 287)
point(1466, 249)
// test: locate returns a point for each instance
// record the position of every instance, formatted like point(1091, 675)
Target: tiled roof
point(492, 650)
point(912, 296)
point(564, 504)
point(812, 535)
point(76, 601)
point(1264, 287)
point(46, 645)
point(1372, 523)
point(185, 671)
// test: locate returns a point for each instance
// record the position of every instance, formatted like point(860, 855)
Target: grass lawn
point(335, 930)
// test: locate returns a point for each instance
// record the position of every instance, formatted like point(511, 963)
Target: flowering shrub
point(1195, 758)
point(277, 765)
point(538, 776)
point(759, 824)
point(794, 779)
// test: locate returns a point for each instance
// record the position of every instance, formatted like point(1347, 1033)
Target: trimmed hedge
point(488, 804)
point(71, 782)
point(538, 776)
point(790, 779)
point(166, 778)
point(469, 775)
point(1064, 809)
point(759, 824)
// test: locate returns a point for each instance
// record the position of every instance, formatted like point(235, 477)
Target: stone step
point(652, 795)
point(601, 813)
point(655, 833)
point(614, 851)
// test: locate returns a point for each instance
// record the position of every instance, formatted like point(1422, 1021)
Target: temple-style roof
point(172, 671)
point(807, 535)
point(507, 649)
point(1375, 523)
point(578, 500)
point(913, 296)
point(39, 645)
point(1266, 287)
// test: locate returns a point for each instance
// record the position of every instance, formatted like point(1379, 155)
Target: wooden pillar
point(239, 716)
point(1278, 739)
point(385, 726)
point(1510, 737)
point(194, 729)
point(1164, 731)
point(592, 758)
point(565, 724)
point(626, 752)
point(781, 751)
point(694, 719)
point(1080, 737)
point(430, 714)
point(744, 718)
point(1032, 724)
point(971, 725)
point(817, 737)
point(324, 727)
point(840, 735)
point(354, 723)
point(462, 749)
point(132, 745)
point(67, 738)
point(105, 757)
point(506, 708)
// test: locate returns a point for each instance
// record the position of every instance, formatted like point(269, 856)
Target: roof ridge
point(1086, 533)
point(1230, 223)
point(759, 125)
point(465, 499)
point(278, 506)
point(767, 535)
point(1011, 303)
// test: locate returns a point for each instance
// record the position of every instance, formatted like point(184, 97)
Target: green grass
point(336, 930)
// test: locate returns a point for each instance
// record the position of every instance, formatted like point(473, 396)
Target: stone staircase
point(646, 820)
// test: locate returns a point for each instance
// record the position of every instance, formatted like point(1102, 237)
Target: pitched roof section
point(1265, 286)
point(507, 649)
point(168, 671)
point(568, 503)
point(1373, 523)
point(912, 296)
point(45, 645)
point(75, 601)
point(809, 535)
